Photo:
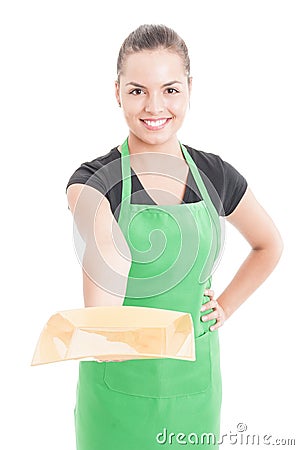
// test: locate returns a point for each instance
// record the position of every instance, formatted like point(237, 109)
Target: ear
point(190, 80)
point(117, 94)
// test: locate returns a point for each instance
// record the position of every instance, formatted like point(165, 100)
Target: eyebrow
point(133, 83)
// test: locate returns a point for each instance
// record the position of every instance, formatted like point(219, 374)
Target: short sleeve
point(234, 187)
point(90, 173)
point(225, 184)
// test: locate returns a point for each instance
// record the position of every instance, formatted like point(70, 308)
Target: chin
point(158, 139)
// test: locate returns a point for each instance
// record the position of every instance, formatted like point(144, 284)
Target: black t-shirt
point(225, 185)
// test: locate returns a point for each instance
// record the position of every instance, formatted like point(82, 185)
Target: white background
point(58, 110)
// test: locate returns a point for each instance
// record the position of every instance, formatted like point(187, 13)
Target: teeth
point(155, 123)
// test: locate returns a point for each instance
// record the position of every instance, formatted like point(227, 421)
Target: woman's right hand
point(125, 358)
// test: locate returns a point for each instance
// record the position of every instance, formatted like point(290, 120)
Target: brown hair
point(153, 37)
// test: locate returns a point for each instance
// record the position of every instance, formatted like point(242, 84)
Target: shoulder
point(229, 183)
point(90, 167)
point(97, 172)
point(209, 163)
point(211, 166)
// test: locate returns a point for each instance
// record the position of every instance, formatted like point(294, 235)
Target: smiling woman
point(159, 251)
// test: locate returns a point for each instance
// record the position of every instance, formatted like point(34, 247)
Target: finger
point(116, 360)
point(217, 325)
point(209, 305)
point(108, 360)
point(209, 293)
point(219, 322)
point(210, 316)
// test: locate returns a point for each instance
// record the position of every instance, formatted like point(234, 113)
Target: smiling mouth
point(157, 124)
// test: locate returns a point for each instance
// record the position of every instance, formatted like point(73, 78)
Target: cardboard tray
point(115, 332)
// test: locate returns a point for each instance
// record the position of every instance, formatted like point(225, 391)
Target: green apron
point(146, 404)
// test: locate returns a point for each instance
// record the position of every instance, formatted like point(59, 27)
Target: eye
point(171, 90)
point(136, 91)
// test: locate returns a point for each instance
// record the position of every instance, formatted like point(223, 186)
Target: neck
point(171, 147)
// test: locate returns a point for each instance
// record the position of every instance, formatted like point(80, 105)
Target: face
point(154, 93)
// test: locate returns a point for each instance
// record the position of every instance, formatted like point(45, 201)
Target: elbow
point(279, 248)
point(273, 248)
point(277, 245)
point(276, 251)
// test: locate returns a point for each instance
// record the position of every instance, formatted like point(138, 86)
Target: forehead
point(156, 66)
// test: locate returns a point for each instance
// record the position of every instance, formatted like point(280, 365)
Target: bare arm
point(106, 258)
point(252, 221)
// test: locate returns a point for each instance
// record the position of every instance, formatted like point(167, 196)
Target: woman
point(149, 214)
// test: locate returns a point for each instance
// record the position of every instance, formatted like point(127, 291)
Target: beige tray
point(115, 332)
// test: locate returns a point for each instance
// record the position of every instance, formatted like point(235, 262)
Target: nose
point(155, 104)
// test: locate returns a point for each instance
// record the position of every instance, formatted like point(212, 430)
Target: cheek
point(178, 106)
point(133, 105)
point(130, 114)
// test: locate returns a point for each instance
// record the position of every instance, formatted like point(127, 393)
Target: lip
point(156, 124)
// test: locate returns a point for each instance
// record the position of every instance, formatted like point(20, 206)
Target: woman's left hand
point(218, 312)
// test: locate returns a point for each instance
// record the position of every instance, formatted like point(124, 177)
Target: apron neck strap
point(127, 183)
point(126, 173)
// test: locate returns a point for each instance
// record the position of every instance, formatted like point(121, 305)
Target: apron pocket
point(162, 378)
